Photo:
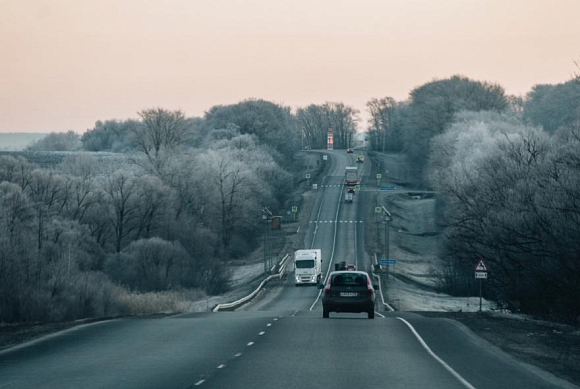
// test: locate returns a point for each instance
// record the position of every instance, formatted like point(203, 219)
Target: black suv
point(348, 291)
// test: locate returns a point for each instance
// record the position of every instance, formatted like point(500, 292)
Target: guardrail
point(388, 306)
point(243, 300)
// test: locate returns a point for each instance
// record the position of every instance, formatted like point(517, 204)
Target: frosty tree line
point(177, 197)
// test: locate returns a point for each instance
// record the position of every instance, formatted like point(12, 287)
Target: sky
point(64, 64)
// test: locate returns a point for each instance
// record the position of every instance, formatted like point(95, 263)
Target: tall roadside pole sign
point(307, 179)
point(294, 211)
point(330, 138)
point(379, 176)
point(480, 274)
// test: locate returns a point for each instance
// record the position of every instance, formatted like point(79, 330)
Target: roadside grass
point(172, 301)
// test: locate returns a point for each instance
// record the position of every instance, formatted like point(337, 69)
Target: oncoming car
point(348, 291)
point(350, 151)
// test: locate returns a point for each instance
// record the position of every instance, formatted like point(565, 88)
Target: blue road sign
point(385, 261)
point(388, 188)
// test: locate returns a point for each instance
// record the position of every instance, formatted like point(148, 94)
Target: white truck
point(307, 266)
point(351, 176)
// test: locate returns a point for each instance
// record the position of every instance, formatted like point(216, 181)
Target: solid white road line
point(381, 315)
point(436, 357)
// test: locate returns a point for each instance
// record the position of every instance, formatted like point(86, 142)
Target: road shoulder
point(542, 346)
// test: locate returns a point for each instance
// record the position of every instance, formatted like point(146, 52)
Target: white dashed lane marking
point(199, 382)
point(238, 355)
point(221, 366)
point(250, 343)
point(332, 221)
point(268, 325)
point(262, 333)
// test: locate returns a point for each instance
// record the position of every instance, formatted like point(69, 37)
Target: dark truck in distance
point(340, 266)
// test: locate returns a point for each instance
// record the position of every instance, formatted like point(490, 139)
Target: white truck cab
point(307, 266)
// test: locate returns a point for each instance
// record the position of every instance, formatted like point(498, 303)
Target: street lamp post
point(266, 215)
point(265, 218)
point(387, 219)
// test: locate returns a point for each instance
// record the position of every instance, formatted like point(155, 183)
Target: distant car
point(348, 291)
point(307, 148)
point(360, 159)
point(350, 266)
point(350, 190)
point(350, 151)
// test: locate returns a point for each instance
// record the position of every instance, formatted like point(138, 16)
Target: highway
point(280, 342)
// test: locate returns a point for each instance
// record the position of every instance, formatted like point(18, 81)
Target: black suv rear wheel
point(372, 314)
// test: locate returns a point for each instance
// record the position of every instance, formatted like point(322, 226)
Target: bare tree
point(122, 193)
point(382, 111)
point(161, 133)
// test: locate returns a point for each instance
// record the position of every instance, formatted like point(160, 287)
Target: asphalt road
point(282, 343)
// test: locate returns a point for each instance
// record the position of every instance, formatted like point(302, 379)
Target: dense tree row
point(508, 170)
point(409, 126)
point(315, 120)
point(57, 141)
point(186, 197)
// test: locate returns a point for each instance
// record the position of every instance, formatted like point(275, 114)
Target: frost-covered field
point(409, 297)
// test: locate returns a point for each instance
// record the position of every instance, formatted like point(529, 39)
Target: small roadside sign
point(307, 175)
point(294, 209)
point(325, 157)
point(314, 186)
point(379, 176)
point(385, 261)
point(480, 274)
point(378, 210)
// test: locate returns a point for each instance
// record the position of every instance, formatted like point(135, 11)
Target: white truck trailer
point(307, 266)
point(351, 176)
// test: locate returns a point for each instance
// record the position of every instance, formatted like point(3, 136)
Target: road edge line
point(455, 374)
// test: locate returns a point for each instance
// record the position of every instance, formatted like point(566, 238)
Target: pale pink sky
point(65, 64)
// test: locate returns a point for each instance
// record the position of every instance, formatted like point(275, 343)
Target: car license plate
point(348, 294)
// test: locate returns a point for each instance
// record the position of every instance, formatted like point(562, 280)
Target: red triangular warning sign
point(481, 266)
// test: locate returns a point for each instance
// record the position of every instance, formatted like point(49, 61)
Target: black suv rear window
point(349, 279)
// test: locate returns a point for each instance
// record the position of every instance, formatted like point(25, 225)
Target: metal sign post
point(307, 179)
point(294, 211)
point(379, 176)
point(480, 274)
